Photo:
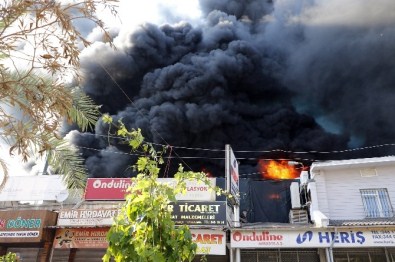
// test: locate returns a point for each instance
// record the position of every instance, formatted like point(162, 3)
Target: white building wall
point(338, 190)
point(322, 200)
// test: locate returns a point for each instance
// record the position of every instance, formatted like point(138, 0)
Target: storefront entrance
point(364, 255)
point(280, 255)
point(77, 255)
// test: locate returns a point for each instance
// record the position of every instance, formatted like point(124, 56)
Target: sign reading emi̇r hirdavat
point(207, 213)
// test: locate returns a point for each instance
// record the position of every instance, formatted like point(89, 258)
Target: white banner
point(312, 238)
point(87, 217)
point(195, 190)
point(18, 234)
point(33, 188)
point(209, 242)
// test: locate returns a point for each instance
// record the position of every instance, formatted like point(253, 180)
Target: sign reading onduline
point(203, 213)
point(107, 188)
point(87, 217)
point(312, 238)
point(116, 189)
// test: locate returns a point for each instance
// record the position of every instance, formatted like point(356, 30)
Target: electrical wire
point(197, 157)
point(261, 151)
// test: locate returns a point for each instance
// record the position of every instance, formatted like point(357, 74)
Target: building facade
point(338, 211)
point(65, 227)
point(353, 200)
point(346, 215)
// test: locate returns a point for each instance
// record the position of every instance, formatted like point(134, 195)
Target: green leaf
point(144, 229)
point(107, 119)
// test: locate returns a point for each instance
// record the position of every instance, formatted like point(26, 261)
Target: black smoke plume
point(258, 75)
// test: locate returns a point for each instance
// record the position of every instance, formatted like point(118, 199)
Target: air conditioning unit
point(295, 195)
point(298, 216)
point(304, 176)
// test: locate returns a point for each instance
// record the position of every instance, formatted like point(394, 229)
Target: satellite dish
point(62, 195)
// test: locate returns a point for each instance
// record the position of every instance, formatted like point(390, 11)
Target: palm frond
point(84, 112)
point(66, 161)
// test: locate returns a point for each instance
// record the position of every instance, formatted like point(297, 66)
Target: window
point(376, 203)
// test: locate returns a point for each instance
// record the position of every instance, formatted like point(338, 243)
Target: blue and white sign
point(312, 238)
point(232, 175)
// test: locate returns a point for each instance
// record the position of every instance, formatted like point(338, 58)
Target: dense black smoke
point(256, 75)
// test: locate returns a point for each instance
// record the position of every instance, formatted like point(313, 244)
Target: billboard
point(209, 242)
point(107, 188)
point(313, 238)
point(19, 188)
point(202, 213)
point(232, 175)
point(24, 225)
point(87, 217)
point(80, 238)
point(116, 189)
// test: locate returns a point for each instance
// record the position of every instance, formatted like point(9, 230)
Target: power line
point(196, 157)
point(261, 151)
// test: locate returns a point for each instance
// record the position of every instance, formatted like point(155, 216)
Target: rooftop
point(364, 222)
point(360, 162)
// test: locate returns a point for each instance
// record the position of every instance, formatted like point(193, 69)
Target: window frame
point(376, 203)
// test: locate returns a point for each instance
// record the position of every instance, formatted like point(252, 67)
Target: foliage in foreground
point(144, 231)
point(9, 257)
point(39, 54)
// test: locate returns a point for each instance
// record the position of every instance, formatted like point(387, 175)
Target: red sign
point(107, 188)
point(115, 189)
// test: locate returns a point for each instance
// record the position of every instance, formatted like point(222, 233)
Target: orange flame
point(274, 196)
point(277, 170)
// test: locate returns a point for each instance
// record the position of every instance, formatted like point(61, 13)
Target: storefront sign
point(234, 178)
point(115, 189)
point(106, 188)
point(24, 225)
point(87, 217)
point(19, 188)
point(209, 242)
point(232, 175)
point(81, 238)
point(199, 213)
point(312, 238)
point(12, 234)
point(195, 190)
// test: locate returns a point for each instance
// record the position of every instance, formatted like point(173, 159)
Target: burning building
point(259, 75)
